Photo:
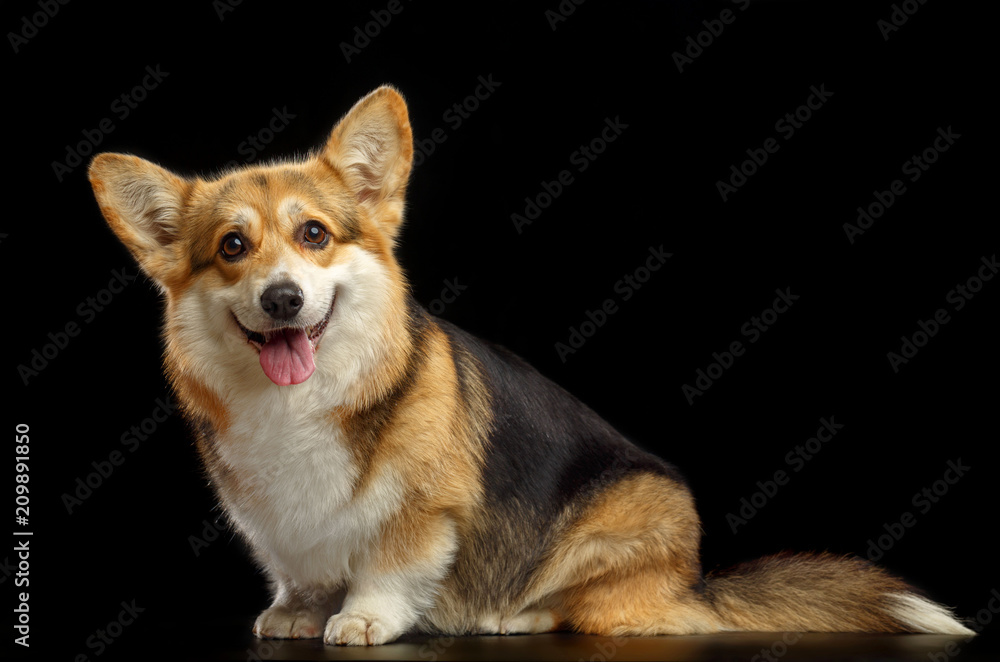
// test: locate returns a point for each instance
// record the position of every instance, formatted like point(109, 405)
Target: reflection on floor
point(752, 647)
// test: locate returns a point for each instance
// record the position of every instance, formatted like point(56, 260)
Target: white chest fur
point(301, 510)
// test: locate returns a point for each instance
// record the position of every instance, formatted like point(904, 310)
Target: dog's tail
point(822, 593)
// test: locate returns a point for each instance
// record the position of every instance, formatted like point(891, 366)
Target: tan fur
point(199, 401)
point(812, 592)
point(429, 439)
point(629, 562)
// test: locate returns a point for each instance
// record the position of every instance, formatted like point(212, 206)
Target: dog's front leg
point(296, 613)
point(397, 583)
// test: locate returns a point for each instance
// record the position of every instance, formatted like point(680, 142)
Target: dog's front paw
point(357, 629)
point(286, 623)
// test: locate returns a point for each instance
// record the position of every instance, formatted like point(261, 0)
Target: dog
point(391, 472)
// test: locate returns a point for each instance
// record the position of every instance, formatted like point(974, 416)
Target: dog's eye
point(315, 233)
point(232, 246)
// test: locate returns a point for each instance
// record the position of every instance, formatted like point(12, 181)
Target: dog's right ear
point(142, 203)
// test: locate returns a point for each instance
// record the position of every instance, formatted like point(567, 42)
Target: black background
point(655, 185)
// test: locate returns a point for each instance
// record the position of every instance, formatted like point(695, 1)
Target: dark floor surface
point(734, 646)
point(231, 641)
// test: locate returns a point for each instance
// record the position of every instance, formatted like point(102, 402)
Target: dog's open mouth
point(287, 354)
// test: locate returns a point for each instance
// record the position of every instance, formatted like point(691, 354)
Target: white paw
point(286, 623)
point(357, 629)
point(530, 622)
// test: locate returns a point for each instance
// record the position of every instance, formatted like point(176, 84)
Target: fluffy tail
point(822, 593)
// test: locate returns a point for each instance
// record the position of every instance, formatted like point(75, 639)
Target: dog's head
point(272, 259)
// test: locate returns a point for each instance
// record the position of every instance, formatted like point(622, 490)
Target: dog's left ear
point(372, 147)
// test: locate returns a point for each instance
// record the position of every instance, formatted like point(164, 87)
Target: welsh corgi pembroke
point(392, 473)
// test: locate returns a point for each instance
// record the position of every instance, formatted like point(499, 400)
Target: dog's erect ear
point(372, 147)
point(142, 203)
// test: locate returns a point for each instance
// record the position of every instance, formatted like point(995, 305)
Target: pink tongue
point(287, 358)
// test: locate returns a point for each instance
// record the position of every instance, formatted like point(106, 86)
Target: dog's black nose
point(282, 301)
